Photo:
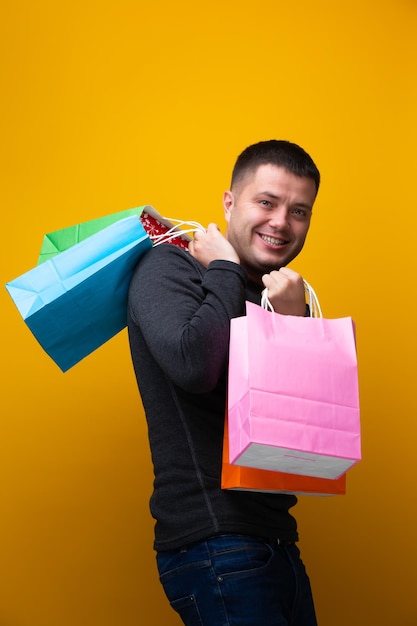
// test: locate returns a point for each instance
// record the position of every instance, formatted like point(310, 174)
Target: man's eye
point(300, 212)
point(266, 203)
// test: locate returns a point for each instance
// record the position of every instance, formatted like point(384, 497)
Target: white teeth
point(272, 240)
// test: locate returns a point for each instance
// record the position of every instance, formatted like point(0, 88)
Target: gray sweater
point(178, 320)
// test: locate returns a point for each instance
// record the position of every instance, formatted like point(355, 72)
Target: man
point(224, 557)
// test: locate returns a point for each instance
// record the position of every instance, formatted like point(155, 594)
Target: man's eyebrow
point(304, 205)
point(269, 194)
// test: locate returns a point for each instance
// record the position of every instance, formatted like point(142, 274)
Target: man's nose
point(279, 218)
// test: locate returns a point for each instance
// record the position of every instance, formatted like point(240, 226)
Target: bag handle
point(175, 231)
point(313, 301)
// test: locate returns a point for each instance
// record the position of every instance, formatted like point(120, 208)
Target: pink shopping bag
point(293, 394)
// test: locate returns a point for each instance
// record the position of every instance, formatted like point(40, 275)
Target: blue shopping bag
point(76, 301)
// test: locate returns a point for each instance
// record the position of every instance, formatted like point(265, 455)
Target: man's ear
point(228, 202)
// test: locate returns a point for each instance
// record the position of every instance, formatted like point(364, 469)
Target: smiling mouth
point(273, 241)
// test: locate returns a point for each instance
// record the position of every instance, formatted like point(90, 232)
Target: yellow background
point(112, 104)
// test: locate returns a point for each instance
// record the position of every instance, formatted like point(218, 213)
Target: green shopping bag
point(60, 240)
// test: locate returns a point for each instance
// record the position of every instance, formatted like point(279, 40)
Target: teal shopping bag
point(75, 301)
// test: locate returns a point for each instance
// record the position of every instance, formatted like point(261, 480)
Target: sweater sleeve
point(184, 312)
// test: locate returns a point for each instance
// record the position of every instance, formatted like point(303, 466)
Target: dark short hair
point(281, 153)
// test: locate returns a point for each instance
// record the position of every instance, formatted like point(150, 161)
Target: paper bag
point(238, 478)
point(293, 394)
point(75, 301)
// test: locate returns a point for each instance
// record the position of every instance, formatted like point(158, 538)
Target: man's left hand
point(285, 291)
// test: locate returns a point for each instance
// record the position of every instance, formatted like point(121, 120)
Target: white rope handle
point(313, 302)
point(175, 231)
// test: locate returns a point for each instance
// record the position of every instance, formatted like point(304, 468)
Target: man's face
point(268, 215)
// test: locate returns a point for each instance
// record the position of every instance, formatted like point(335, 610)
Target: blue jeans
point(236, 580)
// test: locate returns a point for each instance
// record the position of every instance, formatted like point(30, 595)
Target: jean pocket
point(175, 562)
point(187, 609)
point(241, 558)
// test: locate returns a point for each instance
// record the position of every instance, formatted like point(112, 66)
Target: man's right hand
point(211, 245)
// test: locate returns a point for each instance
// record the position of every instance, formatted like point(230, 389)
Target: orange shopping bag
point(250, 479)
